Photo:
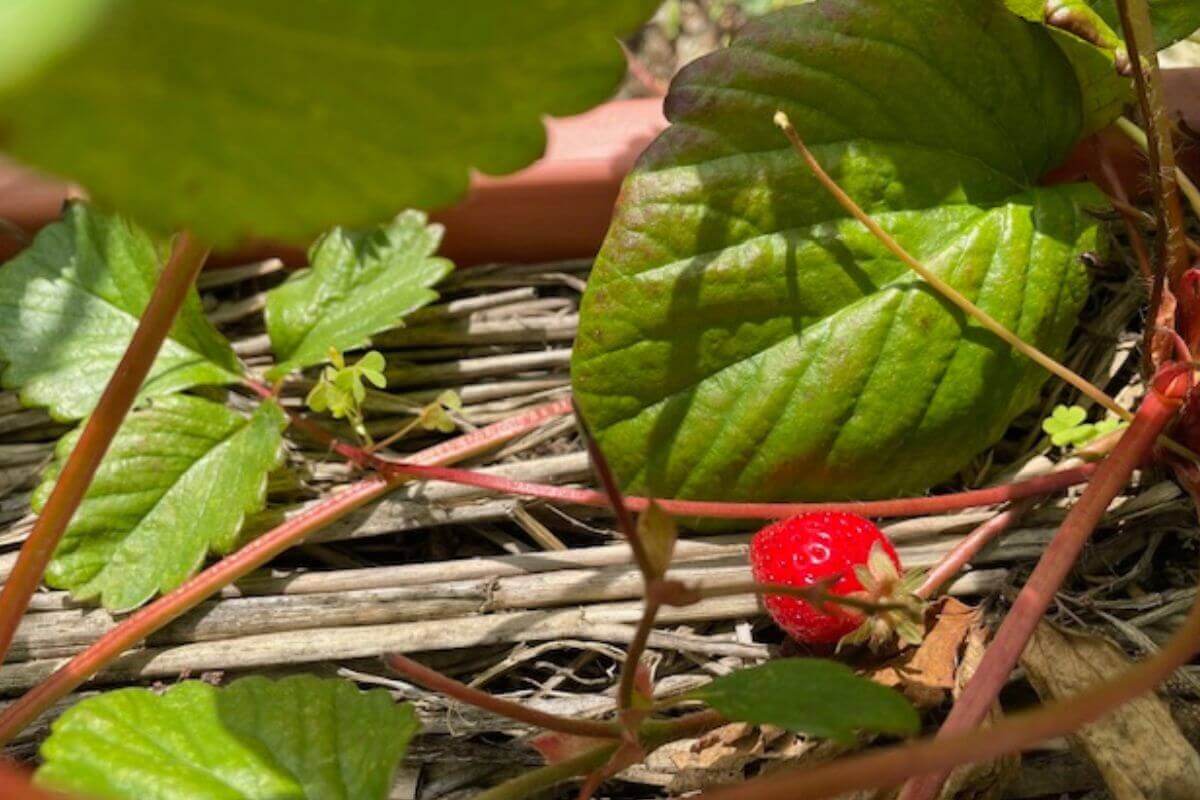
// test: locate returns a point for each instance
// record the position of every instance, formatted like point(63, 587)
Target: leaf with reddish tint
point(742, 338)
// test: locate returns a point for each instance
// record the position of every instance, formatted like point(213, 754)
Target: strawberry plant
point(835, 279)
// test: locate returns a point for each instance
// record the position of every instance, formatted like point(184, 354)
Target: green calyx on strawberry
point(842, 555)
point(901, 612)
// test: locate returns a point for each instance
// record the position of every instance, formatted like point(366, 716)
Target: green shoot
point(433, 417)
point(341, 389)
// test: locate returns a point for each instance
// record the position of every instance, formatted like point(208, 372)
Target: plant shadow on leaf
point(69, 304)
point(742, 340)
point(297, 738)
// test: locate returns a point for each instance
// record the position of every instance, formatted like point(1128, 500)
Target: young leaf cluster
point(184, 472)
point(177, 483)
point(341, 388)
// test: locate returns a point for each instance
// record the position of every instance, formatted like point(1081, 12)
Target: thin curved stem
point(972, 707)
point(966, 549)
point(1164, 176)
point(436, 681)
point(616, 499)
point(207, 583)
point(902, 507)
point(633, 656)
point(187, 257)
point(985, 319)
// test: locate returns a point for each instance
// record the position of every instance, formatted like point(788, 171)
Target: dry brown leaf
point(718, 757)
point(1138, 748)
point(724, 755)
point(927, 673)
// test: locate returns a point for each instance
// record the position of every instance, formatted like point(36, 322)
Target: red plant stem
point(172, 288)
point(962, 553)
point(971, 708)
point(650, 575)
point(637, 646)
point(889, 766)
point(1129, 214)
point(642, 74)
point(436, 681)
point(616, 499)
point(902, 507)
point(170, 606)
point(318, 432)
point(1139, 42)
point(16, 784)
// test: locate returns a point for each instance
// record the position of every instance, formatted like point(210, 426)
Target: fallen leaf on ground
point(1137, 748)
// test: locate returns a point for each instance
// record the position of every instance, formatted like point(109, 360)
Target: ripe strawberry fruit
point(844, 549)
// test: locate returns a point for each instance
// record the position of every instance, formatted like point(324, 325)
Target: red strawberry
point(846, 550)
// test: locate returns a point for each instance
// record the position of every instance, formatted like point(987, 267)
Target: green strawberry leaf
point(177, 483)
point(1104, 91)
point(278, 118)
point(299, 738)
point(69, 305)
point(35, 31)
point(819, 698)
point(1172, 19)
point(360, 283)
point(742, 339)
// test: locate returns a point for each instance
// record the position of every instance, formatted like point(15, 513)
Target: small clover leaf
point(1067, 427)
point(436, 415)
point(370, 367)
point(340, 390)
